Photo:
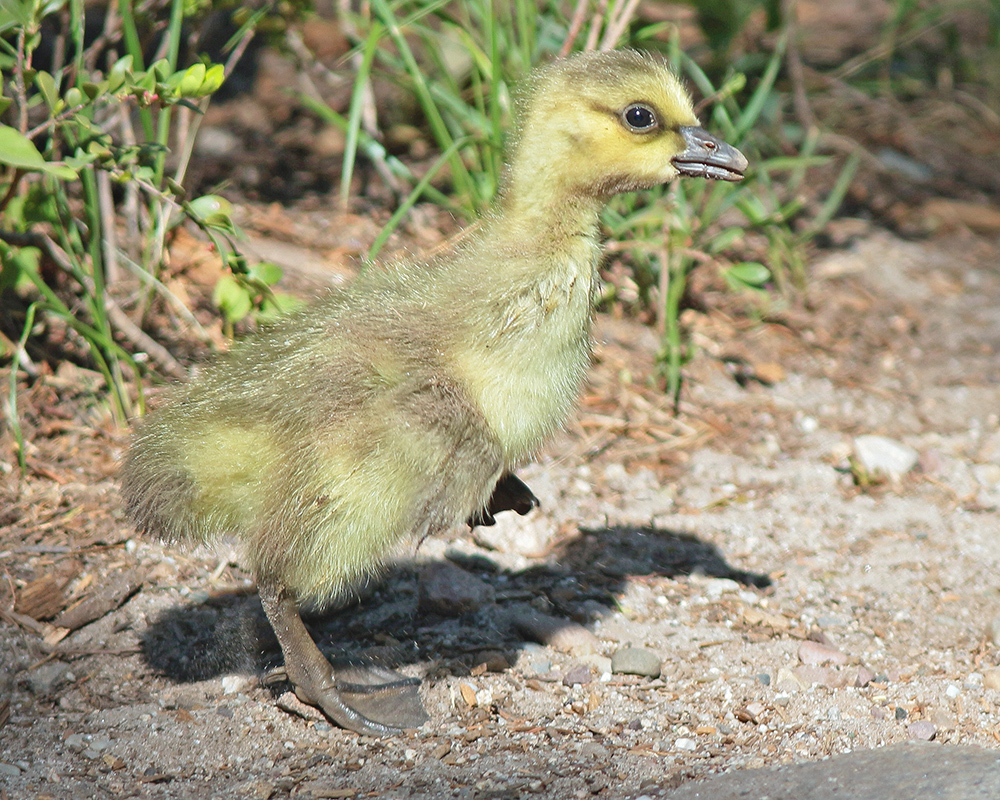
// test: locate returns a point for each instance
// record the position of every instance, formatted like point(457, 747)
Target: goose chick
point(401, 405)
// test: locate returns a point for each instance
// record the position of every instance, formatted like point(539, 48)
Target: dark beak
point(708, 157)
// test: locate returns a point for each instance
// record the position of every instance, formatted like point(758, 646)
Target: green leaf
point(213, 210)
point(232, 299)
point(74, 97)
point(191, 81)
point(92, 90)
point(725, 238)
point(17, 265)
point(753, 208)
point(119, 73)
point(749, 273)
point(46, 84)
point(272, 309)
point(19, 151)
point(266, 272)
point(14, 14)
point(213, 79)
point(160, 70)
point(145, 83)
point(80, 159)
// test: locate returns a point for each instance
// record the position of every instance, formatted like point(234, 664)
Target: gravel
point(800, 621)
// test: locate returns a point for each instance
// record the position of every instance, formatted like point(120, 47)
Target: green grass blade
point(354, 112)
point(13, 417)
point(415, 195)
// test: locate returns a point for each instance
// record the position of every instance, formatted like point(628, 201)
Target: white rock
point(233, 684)
point(880, 454)
point(686, 744)
point(988, 475)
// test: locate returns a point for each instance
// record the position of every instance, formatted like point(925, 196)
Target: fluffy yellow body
point(392, 408)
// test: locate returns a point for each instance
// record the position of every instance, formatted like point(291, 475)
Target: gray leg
point(381, 693)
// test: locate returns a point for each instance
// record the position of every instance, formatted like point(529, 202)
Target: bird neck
point(542, 198)
point(545, 216)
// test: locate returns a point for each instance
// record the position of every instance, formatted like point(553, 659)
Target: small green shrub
point(85, 194)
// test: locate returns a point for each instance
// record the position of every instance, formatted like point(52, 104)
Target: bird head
point(598, 124)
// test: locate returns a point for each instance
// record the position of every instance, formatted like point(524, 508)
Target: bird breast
point(527, 367)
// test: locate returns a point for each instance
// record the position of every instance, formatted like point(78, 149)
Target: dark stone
point(912, 769)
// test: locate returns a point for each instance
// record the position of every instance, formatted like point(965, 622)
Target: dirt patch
point(795, 613)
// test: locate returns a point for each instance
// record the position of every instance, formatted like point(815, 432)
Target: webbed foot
point(366, 699)
point(510, 494)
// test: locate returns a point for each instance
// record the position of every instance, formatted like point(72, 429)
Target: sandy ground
point(798, 606)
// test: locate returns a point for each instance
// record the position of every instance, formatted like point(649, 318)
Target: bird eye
point(639, 117)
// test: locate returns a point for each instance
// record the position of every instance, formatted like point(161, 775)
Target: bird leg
point(365, 699)
point(510, 494)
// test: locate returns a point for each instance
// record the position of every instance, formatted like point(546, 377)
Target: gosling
point(400, 406)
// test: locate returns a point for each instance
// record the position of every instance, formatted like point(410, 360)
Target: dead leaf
point(468, 694)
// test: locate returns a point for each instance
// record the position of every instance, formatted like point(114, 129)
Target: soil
point(798, 604)
point(796, 614)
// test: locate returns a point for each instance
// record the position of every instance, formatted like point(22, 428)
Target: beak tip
point(707, 156)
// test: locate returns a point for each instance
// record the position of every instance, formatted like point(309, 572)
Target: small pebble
point(11, 770)
point(451, 591)
point(882, 455)
point(601, 664)
point(764, 678)
point(579, 673)
point(541, 666)
point(952, 691)
point(495, 660)
point(942, 720)
point(636, 661)
point(922, 730)
point(808, 424)
point(814, 654)
point(100, 743)
point(756, 708)
point(865, 676)
point(900, 713)
point(561, 634)
point(974, 681)
point(716, 587)
point(788, 681)
point(44, 680)
point(991, 679)
point(686, 744)
point(593, 750)
point(824, 676)
point(233, 684)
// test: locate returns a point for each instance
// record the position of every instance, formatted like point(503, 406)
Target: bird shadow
point(582, 581)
